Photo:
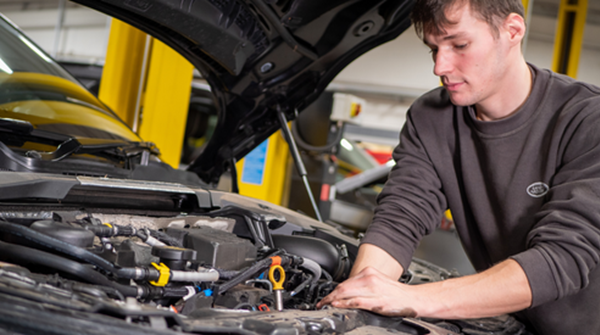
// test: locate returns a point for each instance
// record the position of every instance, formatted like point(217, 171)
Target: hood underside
point(261, 56)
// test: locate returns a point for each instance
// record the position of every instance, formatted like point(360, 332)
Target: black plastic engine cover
point(216, 247)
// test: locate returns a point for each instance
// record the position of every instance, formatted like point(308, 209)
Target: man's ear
point(514, 28)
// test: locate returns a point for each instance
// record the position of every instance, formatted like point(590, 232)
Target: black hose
point(57, 245)
point(166, 239)
point(302, 286)
point(76, 252)
point(248, 273)
point(227, 274)
point(17, 253)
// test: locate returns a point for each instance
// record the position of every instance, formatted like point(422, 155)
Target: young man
point(514, 152)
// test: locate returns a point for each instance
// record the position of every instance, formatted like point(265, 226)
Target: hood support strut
point(287, 134)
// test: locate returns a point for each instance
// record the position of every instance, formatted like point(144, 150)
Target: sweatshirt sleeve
point(411, 203)
point(564, 245)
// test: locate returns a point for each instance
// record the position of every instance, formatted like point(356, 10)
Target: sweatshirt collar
point(522, 117)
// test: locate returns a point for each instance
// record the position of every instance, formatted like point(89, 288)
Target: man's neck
point(516, 90)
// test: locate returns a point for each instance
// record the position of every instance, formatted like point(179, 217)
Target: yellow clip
point(165, 273)
point(277, 285)
point(108, 225)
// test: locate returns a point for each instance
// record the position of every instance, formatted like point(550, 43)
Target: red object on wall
point(381, 157)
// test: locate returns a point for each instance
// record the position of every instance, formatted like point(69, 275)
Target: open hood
point(261, 56)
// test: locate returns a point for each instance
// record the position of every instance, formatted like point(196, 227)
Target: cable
point(308, 147)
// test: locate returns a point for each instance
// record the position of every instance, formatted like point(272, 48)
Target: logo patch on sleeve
point(537, 190)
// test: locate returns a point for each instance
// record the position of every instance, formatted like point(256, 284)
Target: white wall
point(84, 34)
point(405, 62)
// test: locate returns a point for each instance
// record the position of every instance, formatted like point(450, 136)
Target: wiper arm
point(18, 126)
point(120, 148)
point(67, 146)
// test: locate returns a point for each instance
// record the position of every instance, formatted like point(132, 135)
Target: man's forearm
point(501, 289)
point(375, 257)
point(374, 286)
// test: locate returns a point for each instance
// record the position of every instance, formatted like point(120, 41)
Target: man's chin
point(459, 100)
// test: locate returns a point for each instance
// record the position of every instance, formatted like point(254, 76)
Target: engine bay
point(224, 272)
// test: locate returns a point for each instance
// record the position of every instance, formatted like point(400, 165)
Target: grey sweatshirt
point(526, 187)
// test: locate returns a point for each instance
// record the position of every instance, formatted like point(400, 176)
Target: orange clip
point(264, 308)
point(275, 260)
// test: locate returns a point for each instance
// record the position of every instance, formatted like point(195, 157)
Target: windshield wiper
point(18, 126)
point(119, 148)
point(18, 131)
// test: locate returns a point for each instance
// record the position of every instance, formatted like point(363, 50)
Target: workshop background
point(563, 35)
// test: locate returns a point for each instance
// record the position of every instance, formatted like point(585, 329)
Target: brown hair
point(429, 16)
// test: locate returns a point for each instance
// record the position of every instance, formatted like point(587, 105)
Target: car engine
point(219, 273)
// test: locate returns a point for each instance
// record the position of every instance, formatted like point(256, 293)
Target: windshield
point(34, 88)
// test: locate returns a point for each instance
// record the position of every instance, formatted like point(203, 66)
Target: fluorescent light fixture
point(344, 142)
point(4, 67)
point(35, 49)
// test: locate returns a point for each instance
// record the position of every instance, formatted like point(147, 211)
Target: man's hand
point(373, 291)
point(374, 286)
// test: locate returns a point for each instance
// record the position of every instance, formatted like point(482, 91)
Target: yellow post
point(262, 173)
point(569, 36)
point(165, 101)
point(122, 73)
point(525, 5)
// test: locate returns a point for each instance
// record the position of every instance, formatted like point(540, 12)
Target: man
point(514, 152)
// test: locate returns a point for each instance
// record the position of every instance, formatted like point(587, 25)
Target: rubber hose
point(194, 276)
point(313, 267)
point(227, 274)
point(66, 249)
point(17, 253)
point(57, 245)
point(248, 273)
point(167, 239)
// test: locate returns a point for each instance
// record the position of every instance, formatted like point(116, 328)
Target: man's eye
point(461, 46)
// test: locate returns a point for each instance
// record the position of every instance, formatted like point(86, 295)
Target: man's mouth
point(453, 86)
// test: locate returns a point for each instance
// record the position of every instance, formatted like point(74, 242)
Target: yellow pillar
point(525, 5)
point(165, 101)
point(262, 174)
point(121, 76)
point(569, 36)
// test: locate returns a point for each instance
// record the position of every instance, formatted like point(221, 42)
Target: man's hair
point(429, 16)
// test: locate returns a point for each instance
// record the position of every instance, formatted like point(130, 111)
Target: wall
point(84, 35)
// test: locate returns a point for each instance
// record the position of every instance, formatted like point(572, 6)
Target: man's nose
point(442, 63)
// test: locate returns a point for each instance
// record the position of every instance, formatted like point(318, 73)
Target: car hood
point(261, 56)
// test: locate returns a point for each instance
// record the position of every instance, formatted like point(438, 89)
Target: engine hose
point(194, 276)
point(302, 286)
point(17, 253)
point(227, 274)
point(57, 245)
point(313, 267)
point(68, 249)
point(148, 239)
point(248, 273)
point(107, 230)
point(165, 238)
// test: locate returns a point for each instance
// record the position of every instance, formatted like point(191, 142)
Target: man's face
point(468, 57)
